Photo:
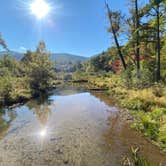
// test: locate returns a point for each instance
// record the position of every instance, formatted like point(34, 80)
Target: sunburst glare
point(40, 8)
point(43, 133)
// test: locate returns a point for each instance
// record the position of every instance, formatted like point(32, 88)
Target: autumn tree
point(115, 21)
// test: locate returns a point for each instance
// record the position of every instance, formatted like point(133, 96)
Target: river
point(70, 127)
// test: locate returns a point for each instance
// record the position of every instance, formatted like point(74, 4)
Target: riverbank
point(147, 106)
point(18, 95)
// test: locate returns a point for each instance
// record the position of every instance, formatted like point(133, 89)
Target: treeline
point(143, 56)
point(21, 80)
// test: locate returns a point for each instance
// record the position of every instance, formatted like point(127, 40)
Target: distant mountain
point(63, 61)
point(67, 58)
point(15, 55)
point(66, 62)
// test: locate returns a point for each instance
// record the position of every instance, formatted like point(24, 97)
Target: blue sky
point(74, 26)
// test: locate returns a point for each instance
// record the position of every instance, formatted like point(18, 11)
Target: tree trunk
point(116, 39)
point(158, 43)
point(118, 48)
point(137, 39)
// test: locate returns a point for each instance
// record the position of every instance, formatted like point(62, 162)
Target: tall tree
point(156, 5)
point(133, 23)
point(39, 69)
point(137, 38)
point(156, 10)
point(114, 18)
point(41, 47)
point(2, 43)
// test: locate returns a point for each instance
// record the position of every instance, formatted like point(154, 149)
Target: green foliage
point(152, 124)
point(107, 61)
point(13, 89)
point(9, 66)
point(162, 136)
point(150, 127)
point(130, 80)
point(127, 76)
point(20, 80)
point(136, 159)
point(40, 71)
point(158, 90)
point(145, 79)
point(133, 104)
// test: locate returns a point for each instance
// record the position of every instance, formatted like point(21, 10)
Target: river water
point(69, 127)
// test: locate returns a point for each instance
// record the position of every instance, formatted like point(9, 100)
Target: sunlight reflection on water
point(43, 133)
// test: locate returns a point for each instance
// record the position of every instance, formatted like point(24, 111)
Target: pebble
point(66, 161)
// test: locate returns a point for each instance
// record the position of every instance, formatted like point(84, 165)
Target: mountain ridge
point(18, 55)
point(63, 61)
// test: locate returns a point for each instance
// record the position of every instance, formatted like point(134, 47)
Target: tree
point(2, 43)
point(115, 18)
point(134, 27)
point(156, 10)
point(156, 6)
point(39, 69)
point(137, 38)
point(41, 47)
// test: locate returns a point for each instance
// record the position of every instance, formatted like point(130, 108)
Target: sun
point(40, 8)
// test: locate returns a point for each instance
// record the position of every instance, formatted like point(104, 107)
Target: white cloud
point(22, 48)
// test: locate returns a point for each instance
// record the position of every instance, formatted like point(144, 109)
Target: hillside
point(15, 55)
point(63, 61)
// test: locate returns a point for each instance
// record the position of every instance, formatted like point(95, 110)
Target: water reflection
point(43, 133)
point(103, 98)
point(41, 110)
point(6, 117)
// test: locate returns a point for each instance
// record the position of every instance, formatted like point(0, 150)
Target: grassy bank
point(15, 90)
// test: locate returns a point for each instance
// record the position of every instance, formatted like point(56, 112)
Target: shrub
point(150, 127)
point(145, 79)
point(158, 90)
point(153, 125)
point(13, 89)
point(132, 104)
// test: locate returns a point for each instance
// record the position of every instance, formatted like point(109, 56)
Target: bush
point(158, 90)
point(132, 104)
point(153, 125)
point(13, 89)
point(150, 127)
point(145, 79)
